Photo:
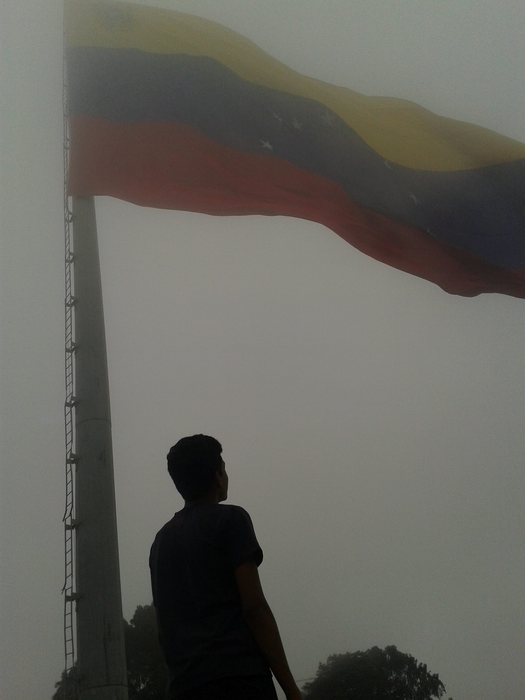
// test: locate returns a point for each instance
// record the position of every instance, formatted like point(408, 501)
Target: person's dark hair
point(193, 463)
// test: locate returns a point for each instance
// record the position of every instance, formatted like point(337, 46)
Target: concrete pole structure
point(100, 633)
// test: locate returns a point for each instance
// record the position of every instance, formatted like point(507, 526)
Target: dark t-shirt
point(192, 561)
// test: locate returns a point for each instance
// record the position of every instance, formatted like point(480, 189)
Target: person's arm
point(261, 622)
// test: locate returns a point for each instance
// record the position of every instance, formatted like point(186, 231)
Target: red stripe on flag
point(172, 166)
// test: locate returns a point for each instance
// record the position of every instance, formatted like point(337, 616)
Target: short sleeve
point(241, 542)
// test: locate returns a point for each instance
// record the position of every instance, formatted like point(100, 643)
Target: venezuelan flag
point(173, 111)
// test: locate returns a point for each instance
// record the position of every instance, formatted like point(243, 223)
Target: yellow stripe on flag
point(400, 131)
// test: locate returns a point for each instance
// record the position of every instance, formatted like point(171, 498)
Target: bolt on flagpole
point(99, 621)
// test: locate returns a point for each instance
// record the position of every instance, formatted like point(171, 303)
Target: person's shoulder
point(233, 510)
point(170, 523)
point(235, 516)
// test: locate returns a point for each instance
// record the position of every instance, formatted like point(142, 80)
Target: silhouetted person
point(217, 632)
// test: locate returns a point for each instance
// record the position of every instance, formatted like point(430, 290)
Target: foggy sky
point(372, 425)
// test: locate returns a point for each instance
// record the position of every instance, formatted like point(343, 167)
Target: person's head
point(197, 469)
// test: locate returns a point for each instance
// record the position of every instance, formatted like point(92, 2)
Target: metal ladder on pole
point(69, 521)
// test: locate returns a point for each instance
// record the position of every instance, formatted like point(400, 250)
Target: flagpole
point(99, 621)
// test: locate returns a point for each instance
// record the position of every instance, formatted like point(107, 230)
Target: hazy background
point(372, 425)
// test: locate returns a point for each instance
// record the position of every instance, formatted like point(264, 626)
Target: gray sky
point(372, 424)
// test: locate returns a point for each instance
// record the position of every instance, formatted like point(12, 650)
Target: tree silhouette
point(375, 674)
point(67, 686)
point(146, 669)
